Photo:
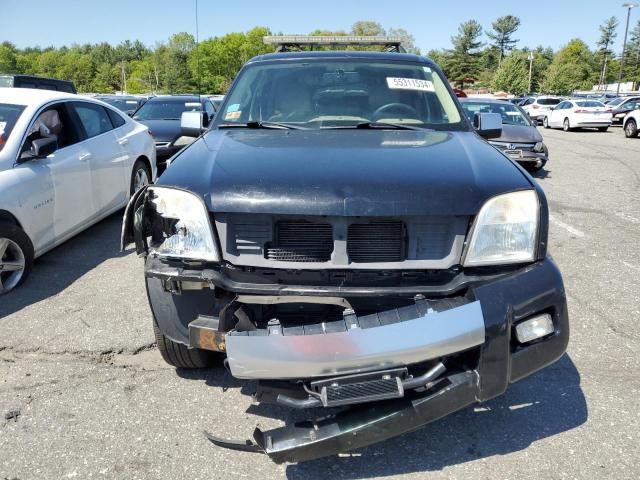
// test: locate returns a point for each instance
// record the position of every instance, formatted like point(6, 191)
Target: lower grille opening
point(301, 241)
point(381, 241)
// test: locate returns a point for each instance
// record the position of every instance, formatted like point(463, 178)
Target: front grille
point(373, 242)
point(301, 241)
point(513, 146)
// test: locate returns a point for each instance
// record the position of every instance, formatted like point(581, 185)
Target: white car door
point(68, 174)
point(107, 158)
point(556, 118)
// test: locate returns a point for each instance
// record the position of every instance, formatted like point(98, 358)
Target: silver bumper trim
point(357, 350)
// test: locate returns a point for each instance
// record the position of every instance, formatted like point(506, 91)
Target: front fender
point(128, 236)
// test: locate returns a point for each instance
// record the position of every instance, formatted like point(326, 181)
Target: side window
point(116, 118)
point(94, 118)
point(208, 107)
point(54, 120)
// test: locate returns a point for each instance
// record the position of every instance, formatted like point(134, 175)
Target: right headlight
point(505, 230)
point(185, 231)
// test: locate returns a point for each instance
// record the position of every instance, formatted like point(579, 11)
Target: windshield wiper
point(262, 124)
point(367, 125)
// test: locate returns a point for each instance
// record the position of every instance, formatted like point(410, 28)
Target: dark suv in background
point(31, 81)
point(162, 115)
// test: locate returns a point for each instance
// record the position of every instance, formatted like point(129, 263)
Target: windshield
point(166, 109)
point(511, 115)
point(122, 104)
point(9, 115)
point(333, 94)
point(615, 101)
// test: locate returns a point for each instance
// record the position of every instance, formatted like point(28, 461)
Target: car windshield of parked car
point(341, 94)
point(122, 104)
point(511, 115)
point(165, 109)
point(549, 101)
point(9, 115)
point(589, 104)
point(615, 101)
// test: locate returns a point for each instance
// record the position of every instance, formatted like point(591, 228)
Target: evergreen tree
point(463, 62)
point(502, 34)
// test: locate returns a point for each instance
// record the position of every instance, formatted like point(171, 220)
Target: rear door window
point(94, 118)
point(116, 118)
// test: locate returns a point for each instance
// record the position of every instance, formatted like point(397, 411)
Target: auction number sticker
point(410, 84)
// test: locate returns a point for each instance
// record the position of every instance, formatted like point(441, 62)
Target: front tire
point(180, 356)
point(140, 176)
point(565, 125)
point(16, 256)
point(631, 128)
point(545, 122)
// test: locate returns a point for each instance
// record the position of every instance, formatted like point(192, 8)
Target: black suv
point(32, 81)
point(345, 237)
point(162, 115)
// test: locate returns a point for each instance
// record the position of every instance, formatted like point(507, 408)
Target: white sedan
point(66, 162)
point(571, 114)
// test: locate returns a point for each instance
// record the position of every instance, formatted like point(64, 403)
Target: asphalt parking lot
point(84, 393)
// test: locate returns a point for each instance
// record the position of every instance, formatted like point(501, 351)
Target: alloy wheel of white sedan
point(140, 179)
point(12, 264)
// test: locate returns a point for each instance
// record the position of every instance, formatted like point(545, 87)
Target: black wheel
point(545, 122)
point(631, 128)
point(140, 176)
point(603, 129)
point(180, 356)
point(16, 256)
point(565, 125)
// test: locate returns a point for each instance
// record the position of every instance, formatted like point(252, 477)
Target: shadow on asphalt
point(60, 267)
point(546, 404)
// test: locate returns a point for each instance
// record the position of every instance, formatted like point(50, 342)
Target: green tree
point(572, 68)
point(632, 56)
point(513, 74)
point(367, 27)
point(608, 35)
point(8, 63)
point(502, 34)
point(464, 61)
point(408, 40)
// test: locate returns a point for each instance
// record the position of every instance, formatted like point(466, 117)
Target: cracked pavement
point(84, 394)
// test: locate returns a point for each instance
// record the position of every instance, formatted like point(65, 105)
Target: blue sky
point(63, 22)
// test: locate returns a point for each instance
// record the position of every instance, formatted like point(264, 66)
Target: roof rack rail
point(287, 43)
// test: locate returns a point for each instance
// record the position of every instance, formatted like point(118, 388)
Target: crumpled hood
point(163, 130)
point(519, 134)
point(344, 172)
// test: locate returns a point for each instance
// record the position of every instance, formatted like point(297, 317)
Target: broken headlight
point(182, 227)
point(505, 230)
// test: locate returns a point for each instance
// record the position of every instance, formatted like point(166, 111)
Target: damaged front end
point(376, 353)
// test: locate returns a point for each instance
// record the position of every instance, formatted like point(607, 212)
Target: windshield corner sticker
point(410, 84)
point(233, 108)
point(233, 115)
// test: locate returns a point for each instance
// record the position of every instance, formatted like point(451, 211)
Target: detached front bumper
point(478, 315)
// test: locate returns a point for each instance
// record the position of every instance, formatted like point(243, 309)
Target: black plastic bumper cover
point(360, 427)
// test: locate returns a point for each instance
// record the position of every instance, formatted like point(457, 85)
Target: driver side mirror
point(488, 125)
point(192, 124)
point(40, 148)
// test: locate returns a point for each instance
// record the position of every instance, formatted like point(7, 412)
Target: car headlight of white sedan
point(185, 231)
point(505, 231)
